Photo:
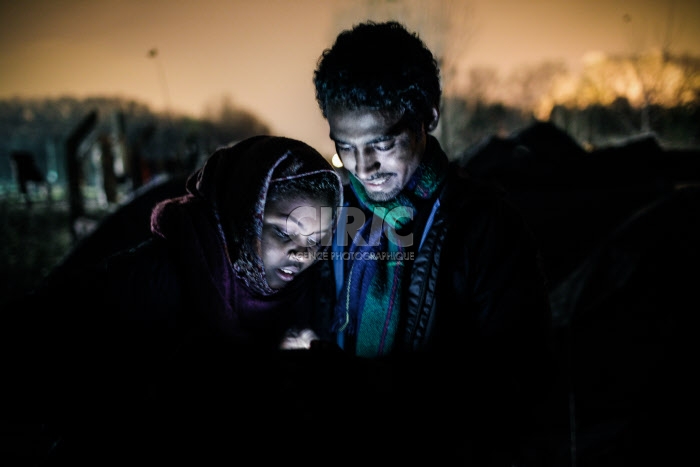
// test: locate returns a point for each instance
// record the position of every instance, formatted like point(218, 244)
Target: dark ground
point(34, 238)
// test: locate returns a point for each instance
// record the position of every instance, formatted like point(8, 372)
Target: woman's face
point(293, 231)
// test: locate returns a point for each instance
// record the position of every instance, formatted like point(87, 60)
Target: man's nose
point(366, 163)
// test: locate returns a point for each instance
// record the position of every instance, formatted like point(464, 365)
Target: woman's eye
point(281, 234)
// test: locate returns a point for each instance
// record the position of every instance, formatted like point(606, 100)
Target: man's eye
point(387, 146)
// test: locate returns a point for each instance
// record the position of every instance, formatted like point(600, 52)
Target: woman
point(225, 265)
point(231, 258)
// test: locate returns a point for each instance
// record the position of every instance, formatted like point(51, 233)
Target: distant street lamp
point(153, 53)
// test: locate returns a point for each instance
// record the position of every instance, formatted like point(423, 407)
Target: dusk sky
point(261, 53)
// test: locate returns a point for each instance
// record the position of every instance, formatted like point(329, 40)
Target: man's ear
point(434, 122)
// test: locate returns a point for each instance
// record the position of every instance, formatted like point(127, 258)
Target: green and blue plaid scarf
point(369, 304)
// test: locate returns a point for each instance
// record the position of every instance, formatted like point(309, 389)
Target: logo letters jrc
point(351, 219)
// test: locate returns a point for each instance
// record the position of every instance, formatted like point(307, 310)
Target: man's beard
point(382, 196)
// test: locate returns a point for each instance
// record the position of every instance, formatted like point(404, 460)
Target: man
point(435, 272)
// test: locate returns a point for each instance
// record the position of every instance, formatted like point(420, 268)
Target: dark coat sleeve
point(95, 331)
point(499, 328)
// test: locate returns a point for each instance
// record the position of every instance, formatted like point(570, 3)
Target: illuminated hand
point(297, 339)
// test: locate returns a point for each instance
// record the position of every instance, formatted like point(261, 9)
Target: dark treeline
point(469, 123)
point(170, 143)
point(165, 142)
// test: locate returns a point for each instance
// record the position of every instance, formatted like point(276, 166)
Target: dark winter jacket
point(474, 332)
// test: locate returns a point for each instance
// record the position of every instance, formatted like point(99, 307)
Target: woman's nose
point(303, 254)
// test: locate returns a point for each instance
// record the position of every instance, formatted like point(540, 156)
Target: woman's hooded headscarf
point(215, 230)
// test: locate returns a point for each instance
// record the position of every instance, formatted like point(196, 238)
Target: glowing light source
point(335, 160)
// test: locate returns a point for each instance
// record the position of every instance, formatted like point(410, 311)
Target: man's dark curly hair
point(380, 66)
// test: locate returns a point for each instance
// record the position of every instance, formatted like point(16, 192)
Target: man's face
point(380, 151)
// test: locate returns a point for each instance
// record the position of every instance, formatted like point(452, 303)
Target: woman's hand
point(298, 339)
